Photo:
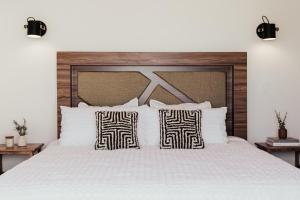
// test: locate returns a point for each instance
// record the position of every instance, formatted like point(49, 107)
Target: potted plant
point(282, 131)
point(22, 132)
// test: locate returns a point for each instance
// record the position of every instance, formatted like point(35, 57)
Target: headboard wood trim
point(236, 62)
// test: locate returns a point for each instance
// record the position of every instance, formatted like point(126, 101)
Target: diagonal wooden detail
point(156, 80)
point(233, 63)
point(161, 94)
point(199, 86)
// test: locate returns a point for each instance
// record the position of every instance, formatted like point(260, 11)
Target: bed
point(235, 170)
point(217, 172)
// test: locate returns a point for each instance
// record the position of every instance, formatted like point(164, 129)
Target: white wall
point(28, 66)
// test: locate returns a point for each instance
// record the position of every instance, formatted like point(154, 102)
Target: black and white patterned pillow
point(180, 129)
point(116, 130)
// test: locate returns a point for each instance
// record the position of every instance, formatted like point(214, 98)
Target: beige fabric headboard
point(115, 88)
point(115, 78)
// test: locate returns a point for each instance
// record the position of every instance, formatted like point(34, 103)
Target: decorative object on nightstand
point(9, 141)
point(282, 131)
point(22, 132)
point(29, 150)
point(272, 149)
point(277, 142)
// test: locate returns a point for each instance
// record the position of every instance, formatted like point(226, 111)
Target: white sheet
point(230, 171)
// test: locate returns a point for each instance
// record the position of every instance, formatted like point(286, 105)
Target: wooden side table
point(270, 149)
point(30, 150)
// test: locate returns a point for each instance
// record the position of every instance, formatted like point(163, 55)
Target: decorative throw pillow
point(180, 129)
point(116, 130)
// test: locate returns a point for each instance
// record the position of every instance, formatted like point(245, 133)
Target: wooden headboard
point(103, 78)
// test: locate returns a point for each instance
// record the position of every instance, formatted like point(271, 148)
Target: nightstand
point(30, 150)
point(271, 149)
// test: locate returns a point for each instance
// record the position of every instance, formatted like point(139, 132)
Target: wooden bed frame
point(148, 66)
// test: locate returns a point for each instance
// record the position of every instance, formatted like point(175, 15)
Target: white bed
point(236, 170)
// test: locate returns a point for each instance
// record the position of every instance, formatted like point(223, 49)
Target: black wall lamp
point(266, 30)
point(35, 28)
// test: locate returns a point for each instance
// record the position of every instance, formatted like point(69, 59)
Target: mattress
point(236, 170)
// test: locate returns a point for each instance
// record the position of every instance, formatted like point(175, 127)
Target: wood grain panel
point(151, 58)
point(63, 90)
point(237, 78)
point(240, 100)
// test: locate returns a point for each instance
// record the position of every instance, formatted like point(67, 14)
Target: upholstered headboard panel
point(170, 85)
point(114, 78)
point(109, 88)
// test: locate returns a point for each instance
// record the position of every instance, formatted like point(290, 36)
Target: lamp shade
point(266, 30)
point(35, 28)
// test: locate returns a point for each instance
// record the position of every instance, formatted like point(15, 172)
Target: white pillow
point(235, 139)
point(183, 106)
point(78, 125)
point(213, 125)
point(148, 128)
point(150, 132)
point(132, 103)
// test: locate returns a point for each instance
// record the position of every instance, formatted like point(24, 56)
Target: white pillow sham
point(183, 106)
point(132, 103)
point(78, 126)
point(213, 125)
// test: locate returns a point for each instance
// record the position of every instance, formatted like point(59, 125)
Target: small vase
point(282, 133)
point(22, 141)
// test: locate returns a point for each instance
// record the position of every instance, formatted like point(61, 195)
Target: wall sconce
point(35, 28)
point(266, 31)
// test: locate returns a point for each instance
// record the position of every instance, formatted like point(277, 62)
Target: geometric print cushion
point(116, 130)
point(180, 129)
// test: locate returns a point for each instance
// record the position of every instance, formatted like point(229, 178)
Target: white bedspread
point(222, 171)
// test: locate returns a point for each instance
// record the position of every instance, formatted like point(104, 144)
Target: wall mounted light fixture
point(266, 30)
point(35, 28)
